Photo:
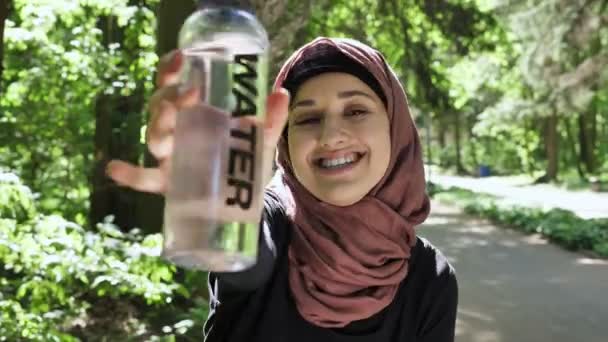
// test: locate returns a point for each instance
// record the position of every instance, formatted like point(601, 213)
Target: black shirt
point(256, 304)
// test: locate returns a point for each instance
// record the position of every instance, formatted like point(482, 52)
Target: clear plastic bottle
point(215, 194)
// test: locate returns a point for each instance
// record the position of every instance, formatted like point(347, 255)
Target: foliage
point(551, 62)
point(16, 200)
point(560, 226)
point(56, 66)
point(418, 39)
point(481, 67)
point(485, 73)
point(62, 283)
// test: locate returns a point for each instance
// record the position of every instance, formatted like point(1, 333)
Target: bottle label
point(243, 153)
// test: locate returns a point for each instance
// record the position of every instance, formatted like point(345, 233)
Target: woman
point(339, 257)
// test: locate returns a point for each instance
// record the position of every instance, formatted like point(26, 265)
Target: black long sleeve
point(440, 320)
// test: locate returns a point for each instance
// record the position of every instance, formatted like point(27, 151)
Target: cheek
point(300, 145)
point(380, 142)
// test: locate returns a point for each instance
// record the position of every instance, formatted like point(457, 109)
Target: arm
point(439, 324)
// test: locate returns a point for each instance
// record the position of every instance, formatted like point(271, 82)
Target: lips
point(337, 160)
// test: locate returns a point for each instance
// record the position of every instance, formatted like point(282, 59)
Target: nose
point(332, 134)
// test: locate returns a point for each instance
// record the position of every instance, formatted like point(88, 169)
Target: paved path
point(518, 190)
point(517, 288)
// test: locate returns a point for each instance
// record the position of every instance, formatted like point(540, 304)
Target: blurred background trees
point(516, 85)
point(519, 86)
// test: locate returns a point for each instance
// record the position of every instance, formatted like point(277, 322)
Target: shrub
point(60, 282)
point(560, 226)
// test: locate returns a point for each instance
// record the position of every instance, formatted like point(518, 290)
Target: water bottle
point(215, 193)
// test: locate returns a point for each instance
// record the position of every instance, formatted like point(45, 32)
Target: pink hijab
point(346, 263)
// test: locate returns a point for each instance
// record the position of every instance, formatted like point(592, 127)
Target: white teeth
point(338, 161)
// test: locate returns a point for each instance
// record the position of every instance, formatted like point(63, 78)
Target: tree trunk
point(551, 148)
point(170, 17)
point(577, 158)
point(441, 134)
point(101, 192)
point(587, 124)
point(428, 123)
point(4, 12)
point(441, 140)
point(101, 197)
point(457, 139)
point(114, 139)
point(117, 128)
point(472, 140)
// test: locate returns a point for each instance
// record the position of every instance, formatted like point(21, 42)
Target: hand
point(164, 105)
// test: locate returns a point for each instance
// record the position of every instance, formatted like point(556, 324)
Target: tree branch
point(584, 72)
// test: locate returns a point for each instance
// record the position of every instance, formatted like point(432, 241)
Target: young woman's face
point(339, 138)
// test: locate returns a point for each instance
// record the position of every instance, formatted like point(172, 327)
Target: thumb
point(277, 109)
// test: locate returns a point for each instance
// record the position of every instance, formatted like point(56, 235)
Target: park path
point(516, 287)
point(518, 190)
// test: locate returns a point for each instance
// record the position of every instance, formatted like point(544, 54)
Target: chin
point(339, 200)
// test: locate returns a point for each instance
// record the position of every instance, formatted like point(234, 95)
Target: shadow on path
point(516, 287)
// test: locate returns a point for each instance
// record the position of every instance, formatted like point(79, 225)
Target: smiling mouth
point(339, 162)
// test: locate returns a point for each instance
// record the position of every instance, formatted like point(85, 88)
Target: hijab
point(346, 263)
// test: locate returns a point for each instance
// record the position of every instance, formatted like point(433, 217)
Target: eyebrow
point(341, 95)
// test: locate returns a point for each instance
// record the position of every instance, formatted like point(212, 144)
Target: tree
point(119, 118)
point(287, 24)
point(562, 61)
point(56, 66)
point(419, 39)
point(4, 12)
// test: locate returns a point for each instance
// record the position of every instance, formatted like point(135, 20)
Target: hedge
point(560, 226)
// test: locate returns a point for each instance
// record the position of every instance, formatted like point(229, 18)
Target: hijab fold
point(346, 263)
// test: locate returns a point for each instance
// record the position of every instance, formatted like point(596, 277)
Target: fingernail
point(176, 60)
point(107, 169)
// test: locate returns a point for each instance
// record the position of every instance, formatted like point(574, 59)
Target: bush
point(60, 282)
point(16, 200)
point(560, 226)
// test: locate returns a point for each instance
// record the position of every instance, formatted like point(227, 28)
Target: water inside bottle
point(214, 201)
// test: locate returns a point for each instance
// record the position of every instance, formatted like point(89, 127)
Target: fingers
point(277, 110)
point(160, 132)
point(168, 68)
point(175, 94)
point(165, 105)
point(138, 178)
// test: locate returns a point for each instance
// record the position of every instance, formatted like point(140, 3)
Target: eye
point(308, 120)
point(357, 112)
